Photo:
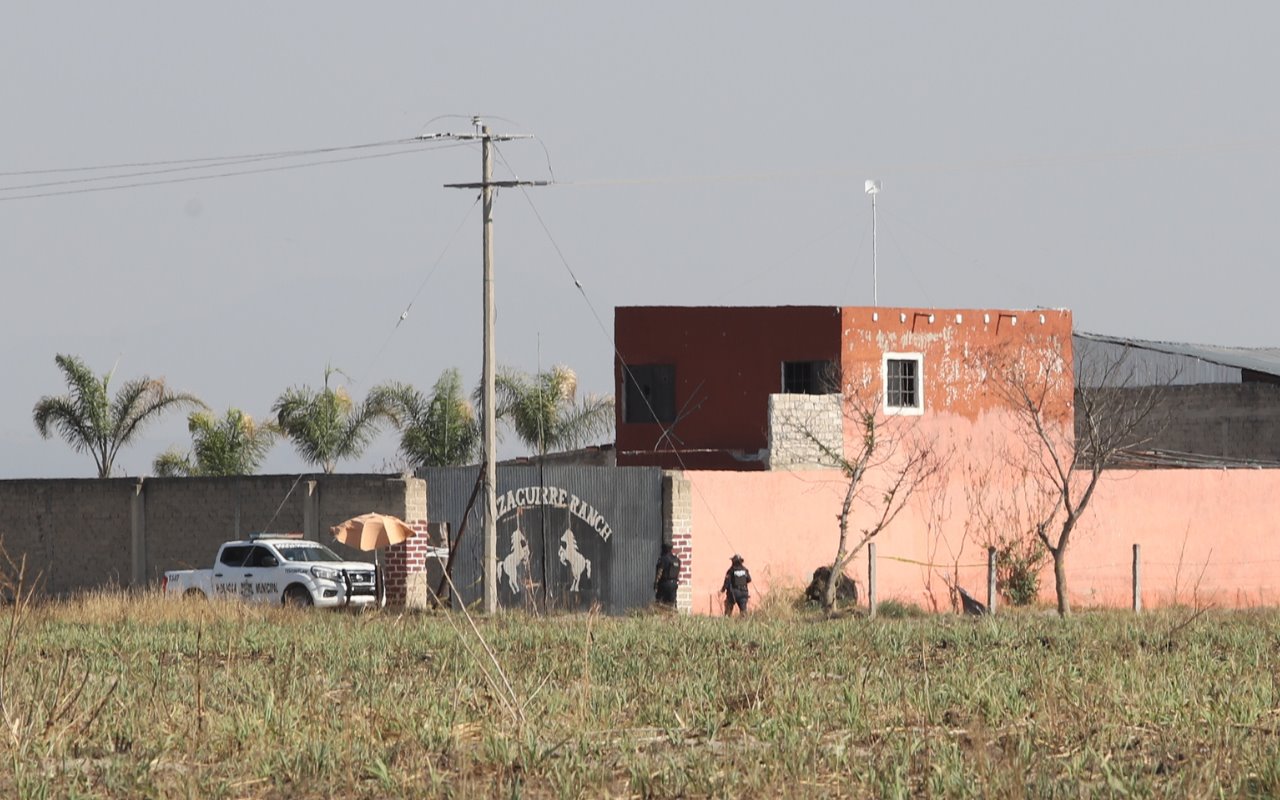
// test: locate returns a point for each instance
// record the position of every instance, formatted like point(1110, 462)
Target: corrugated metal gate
point(568, 537)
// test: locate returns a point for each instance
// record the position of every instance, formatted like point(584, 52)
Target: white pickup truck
point(279, 569)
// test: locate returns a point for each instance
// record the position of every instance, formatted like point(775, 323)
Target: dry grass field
point(117, 695)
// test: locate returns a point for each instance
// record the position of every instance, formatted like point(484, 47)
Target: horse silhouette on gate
point(576, 561)
point(511, 564)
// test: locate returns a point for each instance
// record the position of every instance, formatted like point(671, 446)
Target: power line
point(907, 263)
point(1009, 277)
point(605, 332)
point(231, 174)
point(930, 167)
point(210, 160)
point(434, 266)
point(125, 175)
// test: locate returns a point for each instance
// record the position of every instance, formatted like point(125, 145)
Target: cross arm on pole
point(495, 184)
point(466, 137)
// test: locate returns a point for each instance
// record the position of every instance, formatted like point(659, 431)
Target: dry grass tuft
point(136, 695)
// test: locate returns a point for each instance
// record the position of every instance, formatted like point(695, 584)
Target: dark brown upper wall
point(727, 363)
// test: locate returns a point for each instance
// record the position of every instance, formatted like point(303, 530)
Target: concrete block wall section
point(1231, 420)
point(187, 519)
point(801, 428)
point(86, 534)
point(44, 520)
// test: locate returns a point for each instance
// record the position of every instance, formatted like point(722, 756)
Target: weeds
point(228, 701)
point(47, 704)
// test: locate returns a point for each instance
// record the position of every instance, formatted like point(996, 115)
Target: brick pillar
point(677, 528)
point(405, 565)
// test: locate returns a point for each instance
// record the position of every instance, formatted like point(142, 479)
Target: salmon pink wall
point(1207, 536)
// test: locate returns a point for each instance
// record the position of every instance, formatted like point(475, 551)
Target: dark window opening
point(649, 393)
point(902, 388)
point(235, 555)
point(810, 377)
point(260, 557)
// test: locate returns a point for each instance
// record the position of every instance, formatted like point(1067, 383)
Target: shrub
point(1018, 566)
point(897, 609)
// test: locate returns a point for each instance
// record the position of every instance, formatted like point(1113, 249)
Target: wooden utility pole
point(487, 186)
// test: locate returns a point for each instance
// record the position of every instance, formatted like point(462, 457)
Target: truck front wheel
point(195, 594)
point(297, 597)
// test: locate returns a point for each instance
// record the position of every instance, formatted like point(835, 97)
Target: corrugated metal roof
point(1258, 359)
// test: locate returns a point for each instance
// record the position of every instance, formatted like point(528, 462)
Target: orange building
point(694, 383)
point(713, 394)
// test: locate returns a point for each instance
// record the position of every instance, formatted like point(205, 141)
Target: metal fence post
point(991, 580)
point(1137, 578)
point(871, 578)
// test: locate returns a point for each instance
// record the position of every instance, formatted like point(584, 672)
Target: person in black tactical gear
point(735, 589)
point(666, 577)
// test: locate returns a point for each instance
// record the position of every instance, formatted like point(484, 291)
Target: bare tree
point(1007, 500)
point(1115, 413)
point(937, 507)
point(884, 466)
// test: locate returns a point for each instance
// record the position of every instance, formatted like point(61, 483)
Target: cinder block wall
point(803, 428)
point(73, 533)
point(84, 534)
point(188, 518)
point(1230, 420)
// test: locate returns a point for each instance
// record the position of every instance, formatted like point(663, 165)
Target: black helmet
point(737, 559)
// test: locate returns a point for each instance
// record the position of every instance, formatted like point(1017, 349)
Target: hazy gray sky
point(1118, 159)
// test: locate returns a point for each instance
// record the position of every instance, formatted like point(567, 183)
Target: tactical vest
point(738, 579)
point(670, 569)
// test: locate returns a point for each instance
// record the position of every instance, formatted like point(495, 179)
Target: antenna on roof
point(873, 189)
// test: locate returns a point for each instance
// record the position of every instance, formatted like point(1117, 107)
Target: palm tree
point(545, 411)
point(436, 431)
point(328, 425)
point(234, 445)
point(92, 421)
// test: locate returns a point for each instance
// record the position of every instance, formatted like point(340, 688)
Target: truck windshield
point(307, 552)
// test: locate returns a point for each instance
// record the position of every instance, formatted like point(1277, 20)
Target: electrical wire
point(857, 261)
point(434, 266)
point(926, 167)
point(234, 173)
point(199, 164)
point(1008, 277)
point(206, 159)
point(907, 263)
point(608, 337)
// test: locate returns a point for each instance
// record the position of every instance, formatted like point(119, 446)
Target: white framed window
point(902, 376)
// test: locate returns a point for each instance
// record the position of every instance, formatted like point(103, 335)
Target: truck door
point(262, 570)
point(229, 573)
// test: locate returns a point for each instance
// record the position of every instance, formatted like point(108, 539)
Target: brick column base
point(677, 529)
point(404, 567)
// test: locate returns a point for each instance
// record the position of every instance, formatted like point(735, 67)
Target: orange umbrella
point(372, 531)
